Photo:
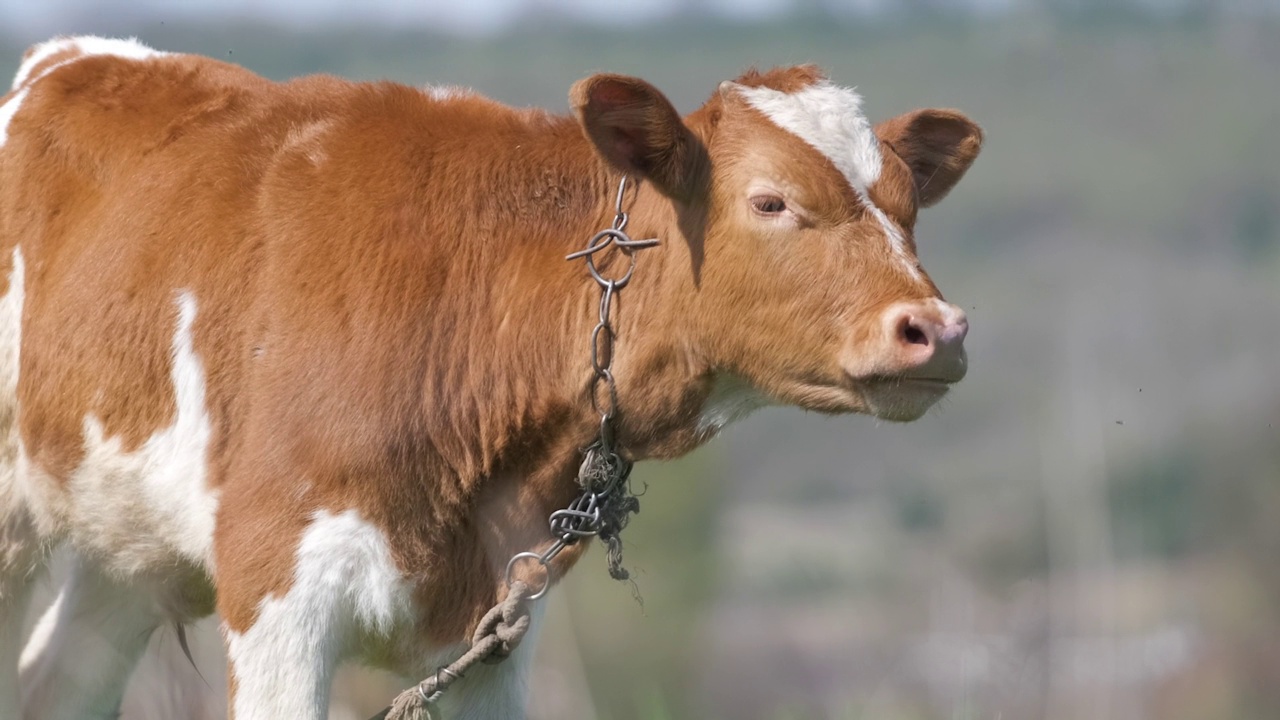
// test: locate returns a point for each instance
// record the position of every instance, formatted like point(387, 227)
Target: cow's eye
point(768, 204)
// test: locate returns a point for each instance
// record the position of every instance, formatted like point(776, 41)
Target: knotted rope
point(498, 634)
point(605, 475)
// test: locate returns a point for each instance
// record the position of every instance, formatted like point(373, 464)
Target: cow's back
point(128, 185)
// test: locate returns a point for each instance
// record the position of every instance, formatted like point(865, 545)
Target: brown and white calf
point(310, 354)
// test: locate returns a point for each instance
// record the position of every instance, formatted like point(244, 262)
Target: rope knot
point(505, 625)
point(497, 635)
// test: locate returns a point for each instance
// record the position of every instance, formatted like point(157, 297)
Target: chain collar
point(606, 502)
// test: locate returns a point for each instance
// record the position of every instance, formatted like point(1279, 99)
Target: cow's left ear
point(938, 146)
point(639, 132)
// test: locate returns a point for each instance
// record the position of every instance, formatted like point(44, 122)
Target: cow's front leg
point(282, 665)
point(286, 635)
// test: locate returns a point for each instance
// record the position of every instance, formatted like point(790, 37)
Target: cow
point(309, 354)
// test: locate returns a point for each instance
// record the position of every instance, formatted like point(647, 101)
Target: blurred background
point(1088, 528)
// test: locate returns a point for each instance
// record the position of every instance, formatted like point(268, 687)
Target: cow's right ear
point(637, 130)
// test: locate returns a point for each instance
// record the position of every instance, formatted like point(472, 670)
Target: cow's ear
point(938, 146)
point(636, 130)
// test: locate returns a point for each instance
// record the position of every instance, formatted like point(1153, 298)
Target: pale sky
point(454, 15)
point(43, 17)
point(54, 16)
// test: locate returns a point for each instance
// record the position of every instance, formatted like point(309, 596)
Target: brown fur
point(386, 318)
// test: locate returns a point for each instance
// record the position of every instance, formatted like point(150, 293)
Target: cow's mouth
point(900, 398)
point(893, 397)
point(921, 383)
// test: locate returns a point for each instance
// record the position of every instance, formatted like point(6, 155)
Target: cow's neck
point(543, 309)
point(515, 413)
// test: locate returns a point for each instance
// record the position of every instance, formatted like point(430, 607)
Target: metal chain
point(605, 504)
point(602, 509)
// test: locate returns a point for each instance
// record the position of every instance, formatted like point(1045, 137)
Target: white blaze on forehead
point(829, 118)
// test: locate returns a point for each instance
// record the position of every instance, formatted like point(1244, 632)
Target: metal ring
point(591, 258)
point(435, 695)
point(530, 556)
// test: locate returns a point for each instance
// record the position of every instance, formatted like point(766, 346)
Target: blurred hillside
point(1087, 529)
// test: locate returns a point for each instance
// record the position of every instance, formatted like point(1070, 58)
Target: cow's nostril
point(912, 334)
point(922, 339)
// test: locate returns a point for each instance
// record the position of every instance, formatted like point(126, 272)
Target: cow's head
point(804, 271)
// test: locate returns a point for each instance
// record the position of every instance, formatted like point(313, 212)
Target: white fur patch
point(447, 92)
point(14, 543)
point(830, 119)
point(177, 456)
point(39, 54)
point(17, 544)
point(143, 510)
point(11, 331)
point(345, 587)
point(732, 398)
point(7, 111)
